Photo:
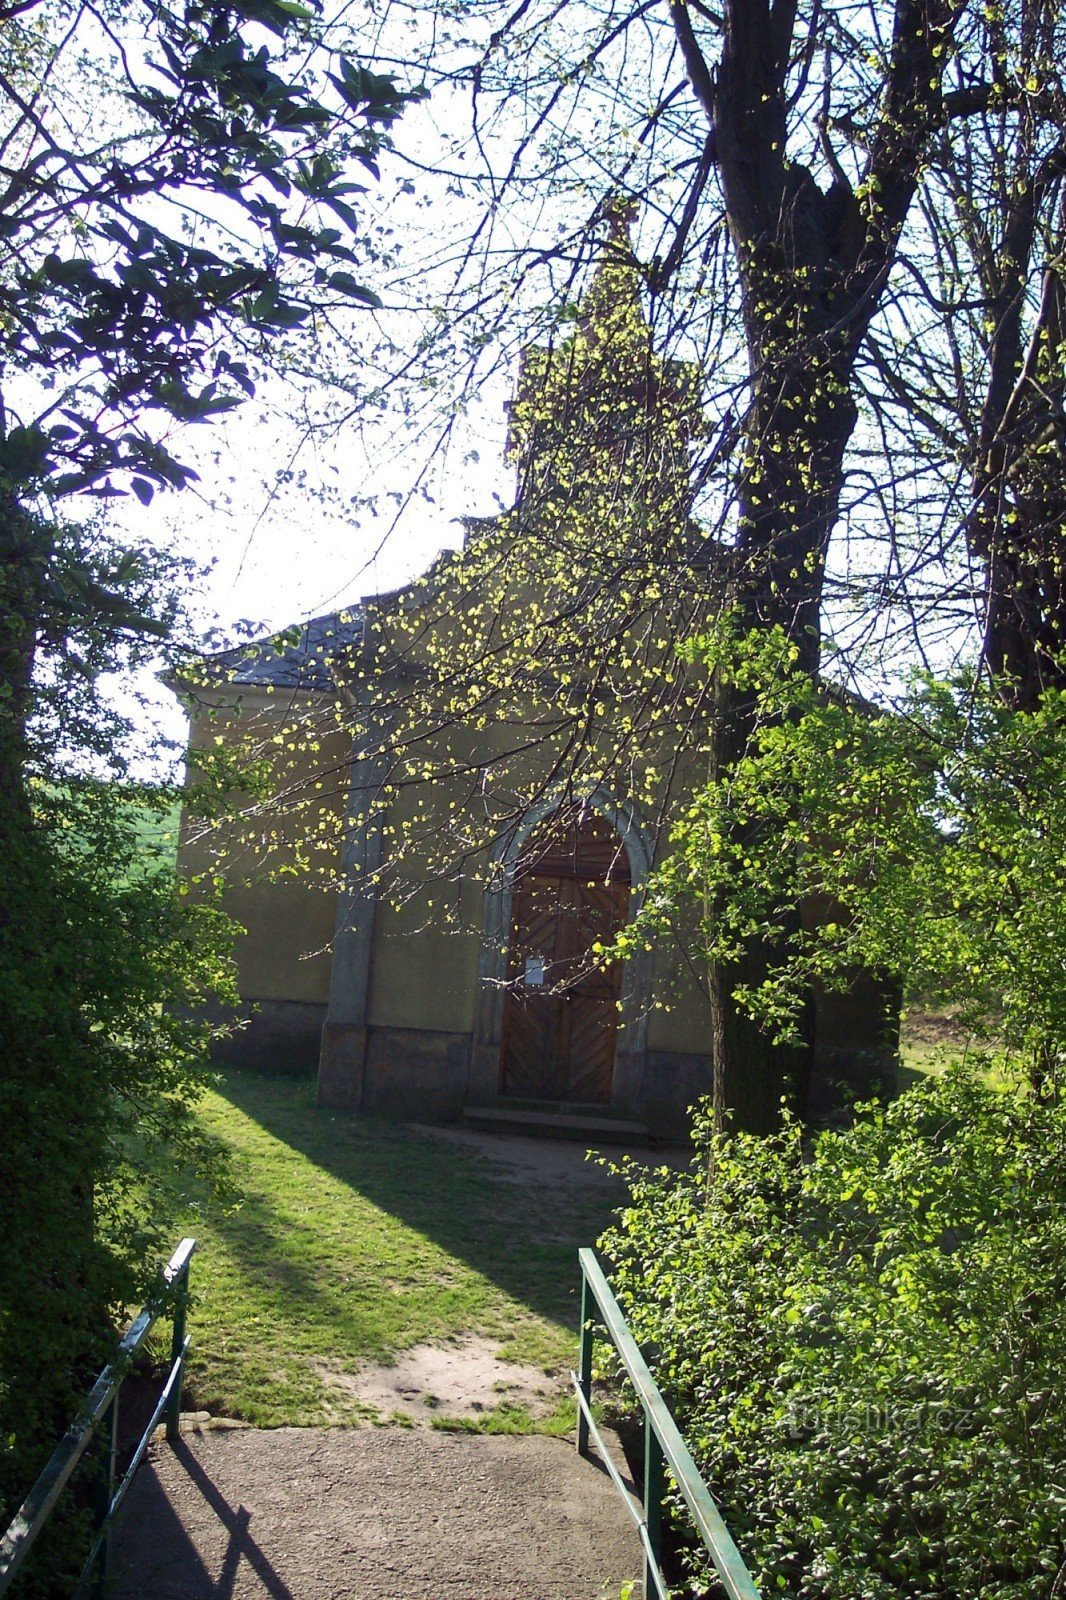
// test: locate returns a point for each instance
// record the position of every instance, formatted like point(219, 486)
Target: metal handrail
point(100, 1412)
point(663, 1445)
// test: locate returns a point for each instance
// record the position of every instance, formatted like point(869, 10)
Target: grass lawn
point(159, 831)
point(930, 1039)
point(352, 1240)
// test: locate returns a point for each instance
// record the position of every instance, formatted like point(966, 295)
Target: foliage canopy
point(925, 840)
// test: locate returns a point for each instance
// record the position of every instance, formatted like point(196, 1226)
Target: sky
point(370, 500)
point(275, 556)
point(267, 559)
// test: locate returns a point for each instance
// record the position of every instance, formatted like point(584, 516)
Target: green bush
point(863, 1342)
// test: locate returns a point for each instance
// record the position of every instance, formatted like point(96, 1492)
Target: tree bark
point(25, 547)
point(813, 265)
point(1019, 516)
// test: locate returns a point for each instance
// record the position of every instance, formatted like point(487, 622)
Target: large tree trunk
point(813, 265)
point(788, 504)
point(25, 547)
point(1018, 526)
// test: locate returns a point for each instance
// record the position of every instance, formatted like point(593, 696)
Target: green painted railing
point(99, 1415)
point(663, 1445)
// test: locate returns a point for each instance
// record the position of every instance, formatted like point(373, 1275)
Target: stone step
point(561, 1124)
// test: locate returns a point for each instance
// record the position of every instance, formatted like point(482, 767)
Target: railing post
point(105, 1489)
point(176, 1355)
point(654, 1483)
point(584, 1365)
point(664, 1448)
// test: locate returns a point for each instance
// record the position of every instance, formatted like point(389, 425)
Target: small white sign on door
point(534, 972)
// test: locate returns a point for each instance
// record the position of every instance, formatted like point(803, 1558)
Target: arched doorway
point(560, 1017)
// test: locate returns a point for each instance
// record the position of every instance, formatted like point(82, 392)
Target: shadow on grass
point(910, 1077)
point(523, 1237)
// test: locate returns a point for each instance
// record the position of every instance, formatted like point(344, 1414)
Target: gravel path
point(370, 1514)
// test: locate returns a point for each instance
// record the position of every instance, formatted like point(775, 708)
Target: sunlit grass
point(351, 1241)
point(932, 1039)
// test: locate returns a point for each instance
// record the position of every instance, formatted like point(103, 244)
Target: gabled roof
point(291, 660)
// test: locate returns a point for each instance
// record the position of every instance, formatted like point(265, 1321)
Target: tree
point(101, 973)
point(147, 266)
point(990, 381)
point(814, 220)
point(818, 134)
point(176, 190)
point(814, 262)
point(558, 615)
point(928, 834)
point(800, 178)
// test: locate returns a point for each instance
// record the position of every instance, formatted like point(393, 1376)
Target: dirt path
point(370, 1514)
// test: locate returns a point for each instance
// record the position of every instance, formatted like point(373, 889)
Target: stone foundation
point(419, 1075)
point(414, 1075)
point(279, 1038)
point(342, 1066)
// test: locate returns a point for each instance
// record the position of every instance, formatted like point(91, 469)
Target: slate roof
point(303, 664)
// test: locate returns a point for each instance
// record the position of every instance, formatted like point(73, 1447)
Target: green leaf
point(354, 290)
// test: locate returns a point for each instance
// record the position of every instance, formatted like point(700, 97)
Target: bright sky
point(277, 556)
point(273, 558)
point(371, 501)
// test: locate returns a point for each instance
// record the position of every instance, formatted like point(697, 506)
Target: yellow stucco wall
point(422, 976)
point(280, 867)
point(428, 942)
point(680, 1018)
point(427, 933)
point(278, 862)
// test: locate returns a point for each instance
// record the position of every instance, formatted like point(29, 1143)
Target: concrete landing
point(370, 1514)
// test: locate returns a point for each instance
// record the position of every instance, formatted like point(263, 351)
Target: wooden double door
point(560, 1022)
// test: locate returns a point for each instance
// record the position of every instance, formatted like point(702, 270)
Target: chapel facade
point(472, 779)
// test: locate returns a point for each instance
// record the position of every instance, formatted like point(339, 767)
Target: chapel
point(461, 789)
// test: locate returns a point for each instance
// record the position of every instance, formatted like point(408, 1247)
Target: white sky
point(278, 558)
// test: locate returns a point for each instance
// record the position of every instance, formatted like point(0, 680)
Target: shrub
point(863, 1342)
point(930, 833)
